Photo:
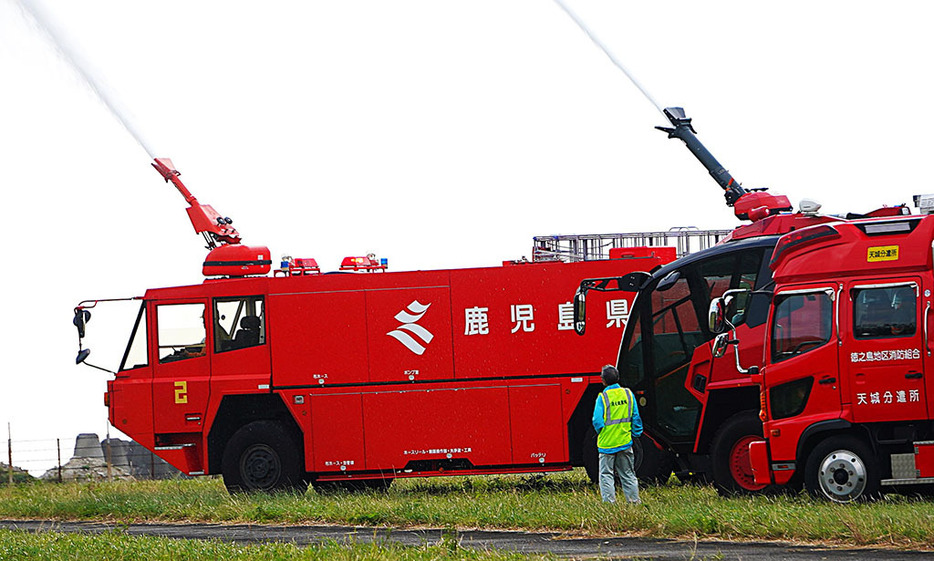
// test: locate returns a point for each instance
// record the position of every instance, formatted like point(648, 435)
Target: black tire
point(842, 469)
point(652, 465)
point(353, 485)
point(729, 456)
point(590, 455)
point(263, 456)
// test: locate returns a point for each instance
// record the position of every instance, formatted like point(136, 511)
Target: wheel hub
point(842, 476)
point(260, 467)
point(741, 465)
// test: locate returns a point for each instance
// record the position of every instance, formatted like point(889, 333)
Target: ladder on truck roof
point(589, 247)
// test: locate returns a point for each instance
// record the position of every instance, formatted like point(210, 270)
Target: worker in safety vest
point(616, 420)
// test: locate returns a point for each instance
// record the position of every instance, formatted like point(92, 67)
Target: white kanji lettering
point(476, 321)
point(565, 316)
point(861, 398)
point(617, 313)
point(522, 317)
point(874, 398)
point(900, 396)
point(914, 395)
point(887, 397)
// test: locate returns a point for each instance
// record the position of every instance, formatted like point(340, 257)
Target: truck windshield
point(665, 328)
point(137, 350)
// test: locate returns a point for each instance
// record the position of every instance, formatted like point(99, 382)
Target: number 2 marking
point(181, 392)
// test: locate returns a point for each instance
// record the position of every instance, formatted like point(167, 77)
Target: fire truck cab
point(845, 374)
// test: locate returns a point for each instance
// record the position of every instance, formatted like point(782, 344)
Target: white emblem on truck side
point(409, 318)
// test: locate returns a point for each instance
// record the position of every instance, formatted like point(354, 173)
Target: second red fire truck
point(845, 367)
point(701, 414)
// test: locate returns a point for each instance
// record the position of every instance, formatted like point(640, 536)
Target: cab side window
point(181, 331)
point(802, 323)
point(882, 312)
point(239, 323)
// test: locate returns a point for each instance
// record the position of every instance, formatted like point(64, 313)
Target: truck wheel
point(653, 466)
point(262, 456)
point(729, 455)
point(842, 469)
point(353, 485)
point(591, 456)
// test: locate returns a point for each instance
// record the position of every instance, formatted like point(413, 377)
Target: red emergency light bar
point(368, 264)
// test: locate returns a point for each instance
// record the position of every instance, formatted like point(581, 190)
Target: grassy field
point(561, 502)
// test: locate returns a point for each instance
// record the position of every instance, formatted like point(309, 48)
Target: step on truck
point(358, 377)
point(844, 366)
point(700, 414)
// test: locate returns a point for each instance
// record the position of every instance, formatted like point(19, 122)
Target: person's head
point(609, 375)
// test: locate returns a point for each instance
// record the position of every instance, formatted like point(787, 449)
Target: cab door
point(883, 350)
point(803, 371)
point(182, 369)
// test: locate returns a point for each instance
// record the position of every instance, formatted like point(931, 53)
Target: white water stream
point(596, 40)
point(71, 55)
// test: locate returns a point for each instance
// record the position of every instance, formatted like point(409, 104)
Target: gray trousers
point(622, 463)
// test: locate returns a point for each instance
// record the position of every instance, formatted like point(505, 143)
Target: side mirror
point(580, 310)
point(82, 317)
point(720, 344)
point(82, 355)
point(716, 317)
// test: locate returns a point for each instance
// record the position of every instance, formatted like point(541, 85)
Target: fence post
point(110, 473)
point(58, 447)
point(9, 450)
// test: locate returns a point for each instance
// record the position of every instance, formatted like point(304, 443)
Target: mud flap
point(759, 458)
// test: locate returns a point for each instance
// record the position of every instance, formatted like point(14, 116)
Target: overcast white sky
point(436, 134)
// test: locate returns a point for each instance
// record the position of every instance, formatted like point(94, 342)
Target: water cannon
point(216, 229)
point(228, 257)
point(752, 204)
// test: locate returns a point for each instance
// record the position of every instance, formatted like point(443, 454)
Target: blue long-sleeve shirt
point(598, 422)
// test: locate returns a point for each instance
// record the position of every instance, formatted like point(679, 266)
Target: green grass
point(560, 502)
point(114, 546)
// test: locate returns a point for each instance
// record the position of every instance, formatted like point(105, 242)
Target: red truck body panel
point(388, 373)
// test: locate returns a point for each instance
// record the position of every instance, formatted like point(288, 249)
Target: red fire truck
point(362, 376)
point(845, 364)
point(700, 414)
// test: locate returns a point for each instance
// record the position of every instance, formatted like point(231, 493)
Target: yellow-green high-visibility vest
point(617, 417)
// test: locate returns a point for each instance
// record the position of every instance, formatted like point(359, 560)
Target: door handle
point(826, 381)
point(913, 375)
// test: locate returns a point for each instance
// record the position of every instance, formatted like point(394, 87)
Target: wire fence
point(84, 458)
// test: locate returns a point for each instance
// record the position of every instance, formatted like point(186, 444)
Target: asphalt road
point(524, 542)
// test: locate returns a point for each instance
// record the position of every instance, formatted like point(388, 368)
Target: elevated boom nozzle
point(684, 131)
point(755, 204)
point(216, 229)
